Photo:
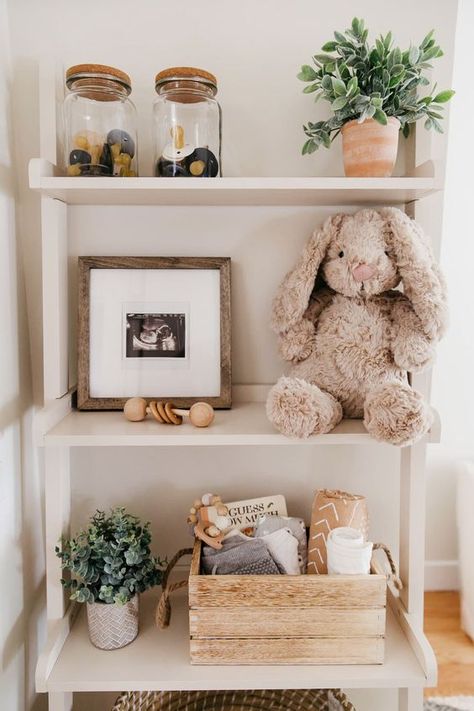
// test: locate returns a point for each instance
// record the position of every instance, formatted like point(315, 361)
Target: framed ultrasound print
point(154, 327)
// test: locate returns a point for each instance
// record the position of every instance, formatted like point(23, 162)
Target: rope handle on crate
point(163, 609)
point(394, 577)
point(339, 695)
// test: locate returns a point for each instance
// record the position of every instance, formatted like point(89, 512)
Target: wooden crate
point(285, 619)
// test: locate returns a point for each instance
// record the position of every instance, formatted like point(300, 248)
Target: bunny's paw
point(299, 409)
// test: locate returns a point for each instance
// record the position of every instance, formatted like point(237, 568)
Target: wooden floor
point(454, 650)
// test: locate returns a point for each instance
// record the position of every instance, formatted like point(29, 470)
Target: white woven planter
point(112, 626)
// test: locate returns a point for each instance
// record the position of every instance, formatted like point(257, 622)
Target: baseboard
point(441, 575)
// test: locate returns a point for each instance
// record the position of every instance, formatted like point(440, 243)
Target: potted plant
point(373, 92)
point(111, 563)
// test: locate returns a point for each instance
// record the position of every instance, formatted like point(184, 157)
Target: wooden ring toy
point(172, 417)
point(136, 409)
point(161, 409)
point(155, 413)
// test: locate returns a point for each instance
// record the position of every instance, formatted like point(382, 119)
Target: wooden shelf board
point(246, 424)
point(228, 191)
point(160, 660)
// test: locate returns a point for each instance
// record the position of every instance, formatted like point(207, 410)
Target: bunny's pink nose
point(363, 272)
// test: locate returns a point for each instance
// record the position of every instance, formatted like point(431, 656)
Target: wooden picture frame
point(87, 400)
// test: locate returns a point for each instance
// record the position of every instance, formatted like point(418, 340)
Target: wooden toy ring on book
point(136, 409)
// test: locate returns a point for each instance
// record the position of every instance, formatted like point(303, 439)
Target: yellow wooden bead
point(197, 167)
point(115, 149)
point(74, 169)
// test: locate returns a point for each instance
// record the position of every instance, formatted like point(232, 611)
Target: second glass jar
point(187, 124)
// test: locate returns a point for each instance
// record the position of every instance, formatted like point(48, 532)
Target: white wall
point(21, 530)
point(255, 48)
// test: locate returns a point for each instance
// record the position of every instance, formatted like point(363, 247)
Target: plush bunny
point(351, 336)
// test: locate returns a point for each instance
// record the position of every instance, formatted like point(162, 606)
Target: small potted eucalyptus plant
point(110, 563)
point(374, 91)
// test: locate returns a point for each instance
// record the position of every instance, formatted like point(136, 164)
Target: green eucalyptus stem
point(361, 81)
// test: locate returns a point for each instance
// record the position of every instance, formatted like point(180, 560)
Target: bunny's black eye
point(387, 253)
point(341, 254)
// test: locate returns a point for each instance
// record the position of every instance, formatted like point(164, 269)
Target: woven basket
point(277, 700)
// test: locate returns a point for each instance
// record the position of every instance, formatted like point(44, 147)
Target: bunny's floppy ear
point(294, 293)
point(423, 282)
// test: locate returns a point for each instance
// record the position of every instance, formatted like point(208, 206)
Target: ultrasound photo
point(155, 335)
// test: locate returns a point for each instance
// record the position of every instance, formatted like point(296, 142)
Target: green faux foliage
point(361, 81)
point(110, 561)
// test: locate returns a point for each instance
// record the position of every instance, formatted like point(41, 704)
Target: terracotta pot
point(370, 149)
point(112, 626)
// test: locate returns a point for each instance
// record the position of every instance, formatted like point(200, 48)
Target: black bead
point(94, 170)
point(210, 161)
point(169, 169)
point(79, 156)
point(106, 160)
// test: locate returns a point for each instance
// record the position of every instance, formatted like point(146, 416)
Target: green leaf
point(394, 81)
point(374, 57)
point(388, 40)
point(352, 87)
point(380, 117)
point(326, 83)
point(443, 96)
point(338, 86)
point(340, 37)
point(427, 39)
point(380, 48)
point(428, 123)
point(397, 56)
point(355, 26)
point(406, 130)
point(430, 53)
point(307, 73)
point(413, 55)
point(397, 69)
point(326, 139)
point(309, 89)
point(339, 103)
point(329, 47)
point(323, 58)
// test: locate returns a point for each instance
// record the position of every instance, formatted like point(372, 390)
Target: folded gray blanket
point(239, 557)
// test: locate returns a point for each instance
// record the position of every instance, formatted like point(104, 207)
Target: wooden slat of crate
point(288, 651)
point(335, 591)
point(291, 622)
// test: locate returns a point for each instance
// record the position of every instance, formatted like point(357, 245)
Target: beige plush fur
point(352, 341)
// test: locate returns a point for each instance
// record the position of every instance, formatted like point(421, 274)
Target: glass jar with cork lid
point(187, 124)
point(100, 122)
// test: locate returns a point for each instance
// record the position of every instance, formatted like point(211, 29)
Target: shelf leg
point(55, 298)
point(412, 527)
point(410, 699)
point(57, 507)
point(60, 701)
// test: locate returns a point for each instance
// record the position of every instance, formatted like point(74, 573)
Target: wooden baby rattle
point(136, 409)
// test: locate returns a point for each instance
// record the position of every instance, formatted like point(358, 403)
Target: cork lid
point(89, 71)
point(186, 73)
